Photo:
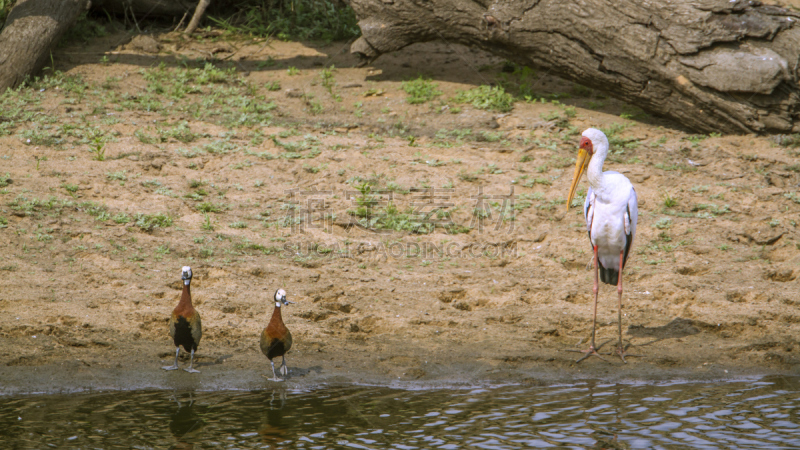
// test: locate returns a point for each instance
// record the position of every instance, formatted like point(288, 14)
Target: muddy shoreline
point(250, 372)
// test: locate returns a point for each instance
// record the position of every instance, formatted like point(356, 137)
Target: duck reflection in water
point(185, 423)
point(272, 430)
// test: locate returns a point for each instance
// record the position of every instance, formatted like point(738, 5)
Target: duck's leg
point(274, 375)
point(174, 366)
point(284, 370)
point(191, 362)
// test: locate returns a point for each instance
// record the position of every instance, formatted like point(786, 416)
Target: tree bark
point(32, 28)
point(727, 66)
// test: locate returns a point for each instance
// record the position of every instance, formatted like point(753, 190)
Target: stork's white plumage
point(611, 212)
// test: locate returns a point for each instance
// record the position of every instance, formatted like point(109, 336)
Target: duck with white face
point(276, 340)
point(184, 324)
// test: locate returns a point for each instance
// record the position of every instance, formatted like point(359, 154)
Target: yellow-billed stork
point(611, 212)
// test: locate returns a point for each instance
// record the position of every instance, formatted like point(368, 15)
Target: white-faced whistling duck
point(184, 325)
point(276, 339)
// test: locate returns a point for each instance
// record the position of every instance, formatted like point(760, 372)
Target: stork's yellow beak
point(580, 167)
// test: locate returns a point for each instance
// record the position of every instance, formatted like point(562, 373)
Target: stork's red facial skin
point(586, 144)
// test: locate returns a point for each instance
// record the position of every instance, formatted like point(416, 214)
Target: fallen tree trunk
point(32, 28)
point(711, 65)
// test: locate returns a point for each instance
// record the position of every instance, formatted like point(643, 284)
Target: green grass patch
point(420, 90)
point(492, 98)
point(618, 144)
point(207, 207)
point(148, 222)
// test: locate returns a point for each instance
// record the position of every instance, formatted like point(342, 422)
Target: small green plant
point(365, 202)
point(481, 213)
point(314, 169)
point(328, 82)
point(208, 224)
point(463, 175)
point(238, 224)
point(39, 159)
point(314, 107)
point(71, 188)
point(273, 85)
point(669, 200)
point(663, 224)
point(659, 142)
point(194, 184)
point(152, 183)
point(537, 180)
point(118, 176)
point(616, 142)
point(45, 136)
point(161, 251)
point(492, 169)
point(719, 210)
point(292, 71)
point(493, 98)
point(793, 196)
point(180, 132)
point(148, 222)
point(98, 149)
point(242, 165)
point(488, 136)
point(145, 138)
point(207, 207)
point(696, 139)
point(420, 90)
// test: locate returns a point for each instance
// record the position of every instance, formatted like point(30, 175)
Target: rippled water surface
point(742, 414)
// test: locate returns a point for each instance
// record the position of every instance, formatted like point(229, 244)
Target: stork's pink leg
point(620, 347)
point(595, 290)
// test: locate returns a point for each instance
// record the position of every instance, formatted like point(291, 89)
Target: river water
point(751, 413)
